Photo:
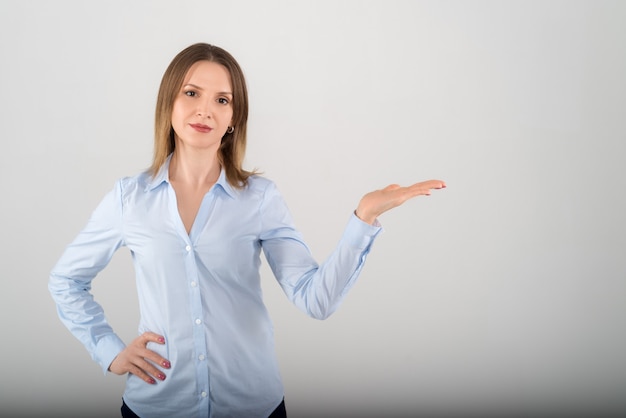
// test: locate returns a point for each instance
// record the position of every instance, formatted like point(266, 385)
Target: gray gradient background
point(504, 292)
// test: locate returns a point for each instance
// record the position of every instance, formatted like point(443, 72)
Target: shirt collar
point(222, 181)
point(162, 176)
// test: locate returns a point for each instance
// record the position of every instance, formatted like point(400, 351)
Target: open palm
point(375, 203)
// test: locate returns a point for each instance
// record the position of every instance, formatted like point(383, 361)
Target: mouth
point(201, 127)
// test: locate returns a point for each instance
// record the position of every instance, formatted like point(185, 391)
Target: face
point(202, 110)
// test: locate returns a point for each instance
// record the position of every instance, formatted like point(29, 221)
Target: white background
point(506, 291)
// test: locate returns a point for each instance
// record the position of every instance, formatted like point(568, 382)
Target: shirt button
point(194, 284)
point(203, 394)
point(188, 248)
point(198, 321)
point(201, 357)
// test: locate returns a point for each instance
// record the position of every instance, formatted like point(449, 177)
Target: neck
point(193, 167)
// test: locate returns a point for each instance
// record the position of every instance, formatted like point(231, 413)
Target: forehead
point(209, 75)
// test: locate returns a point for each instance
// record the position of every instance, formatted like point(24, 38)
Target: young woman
point(195, 224)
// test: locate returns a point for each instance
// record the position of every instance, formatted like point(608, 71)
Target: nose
point(204, 109)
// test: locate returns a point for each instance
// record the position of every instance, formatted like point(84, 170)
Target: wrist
point(364, 217)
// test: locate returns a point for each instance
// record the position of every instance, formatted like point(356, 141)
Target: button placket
point(193, 280)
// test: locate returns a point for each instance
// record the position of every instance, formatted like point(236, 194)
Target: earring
point(230, 130)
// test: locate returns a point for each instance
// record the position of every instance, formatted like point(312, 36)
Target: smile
point(201, 128)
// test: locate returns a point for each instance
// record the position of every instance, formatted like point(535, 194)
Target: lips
point(201, 127)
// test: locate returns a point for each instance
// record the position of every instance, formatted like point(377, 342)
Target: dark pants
point(279, 412)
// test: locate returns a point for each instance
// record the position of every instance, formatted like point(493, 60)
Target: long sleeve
point(70, 280)
point(316, 289)
point(202, 290)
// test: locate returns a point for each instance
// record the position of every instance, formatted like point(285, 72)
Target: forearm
point(319, 290)
point(84, 318)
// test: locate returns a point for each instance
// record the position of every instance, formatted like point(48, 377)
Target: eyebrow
point(200, 88)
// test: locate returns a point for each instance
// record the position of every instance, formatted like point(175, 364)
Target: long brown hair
point(232, 150)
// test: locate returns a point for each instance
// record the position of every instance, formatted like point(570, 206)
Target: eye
point(190, 93)
point(223, 100)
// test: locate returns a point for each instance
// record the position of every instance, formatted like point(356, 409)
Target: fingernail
point(166, 364)
point(161, 376)
point(161, 340)
point(151, 381)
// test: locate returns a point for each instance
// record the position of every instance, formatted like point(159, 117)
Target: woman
point(195, 224)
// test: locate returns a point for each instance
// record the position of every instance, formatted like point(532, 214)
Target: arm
point(70, 280)
point(319, 289)
point(70, 285)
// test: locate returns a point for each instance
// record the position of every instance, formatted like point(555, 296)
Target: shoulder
point(257, 189)
point(133, 185)
point(258, 182)
point(261, 186)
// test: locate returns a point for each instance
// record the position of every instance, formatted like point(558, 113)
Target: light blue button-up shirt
point(202, 290)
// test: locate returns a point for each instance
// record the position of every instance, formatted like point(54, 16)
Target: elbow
point(321, 312)
point(57, 284)
point(61, 287)
point(317, 303)
point(320, 317)
point(53, 284)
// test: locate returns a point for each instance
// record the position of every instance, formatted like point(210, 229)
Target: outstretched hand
point(375, 203)
point(137, 359)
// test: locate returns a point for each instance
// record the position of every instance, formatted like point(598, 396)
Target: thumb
point(391, 187)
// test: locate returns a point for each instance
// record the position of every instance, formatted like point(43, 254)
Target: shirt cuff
point(360, 234)
point(108, 348)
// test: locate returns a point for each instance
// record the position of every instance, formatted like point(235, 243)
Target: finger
point(152, 337)
point(433, 184)
point(152, 355)
point(149, 368)
point(141, 374)
point(426, 186)
point(416, 190)
point(155, 358)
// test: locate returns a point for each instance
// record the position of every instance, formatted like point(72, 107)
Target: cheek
point(177, 120)
point(228, 114)
point(178, 114)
